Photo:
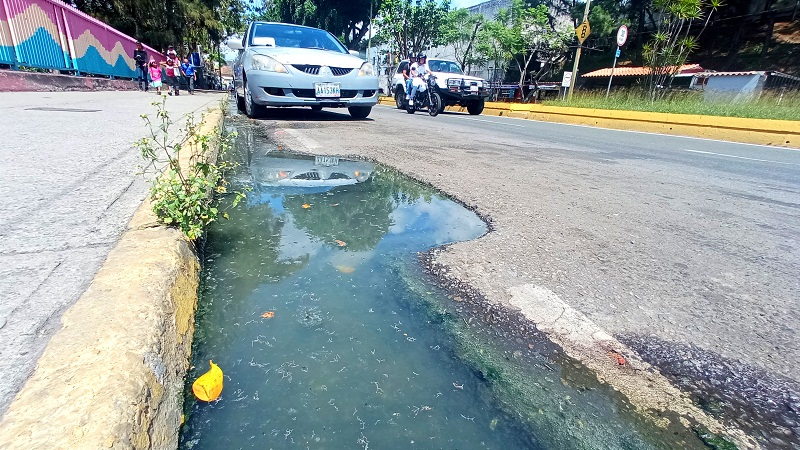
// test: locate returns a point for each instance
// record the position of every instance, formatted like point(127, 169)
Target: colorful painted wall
point(52, 35)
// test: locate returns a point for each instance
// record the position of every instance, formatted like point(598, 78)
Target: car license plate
point(473, 88)
point(327, 90)
point(327, 161)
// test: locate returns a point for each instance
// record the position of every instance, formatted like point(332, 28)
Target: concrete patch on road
point(613, 362)
point(113, 375)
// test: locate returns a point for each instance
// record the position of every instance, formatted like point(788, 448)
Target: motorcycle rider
point(406, 69)
point(419, 72)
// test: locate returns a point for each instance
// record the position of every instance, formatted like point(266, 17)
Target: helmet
point(421, 55)
point(411, 56)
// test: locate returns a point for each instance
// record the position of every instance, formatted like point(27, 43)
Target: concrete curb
point(782, 133)
point(113, 376)
point(18, 81)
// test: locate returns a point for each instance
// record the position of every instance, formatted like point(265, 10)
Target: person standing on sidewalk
point(140, 56)
point(170, 67)
point(187, 69)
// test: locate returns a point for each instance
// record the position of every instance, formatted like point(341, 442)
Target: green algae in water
point(355, 355)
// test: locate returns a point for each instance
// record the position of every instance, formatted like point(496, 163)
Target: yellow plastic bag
point(209, 385)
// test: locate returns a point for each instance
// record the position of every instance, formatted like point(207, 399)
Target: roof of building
point(627, 71)
point(745, 73)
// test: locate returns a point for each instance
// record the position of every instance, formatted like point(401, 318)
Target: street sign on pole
point(583, 31)
point(622, 35)
point(567, 79)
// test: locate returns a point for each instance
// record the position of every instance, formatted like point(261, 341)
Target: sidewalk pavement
point(68, 180)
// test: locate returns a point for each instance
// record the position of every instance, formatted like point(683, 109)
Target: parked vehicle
point(427, 98)
point(452, 85)
point(291, 65)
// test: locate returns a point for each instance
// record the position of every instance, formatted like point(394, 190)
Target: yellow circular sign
point(583, 31)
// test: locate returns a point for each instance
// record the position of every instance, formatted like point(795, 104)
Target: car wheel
point(251, 108)
point(475, 107)
point(359, 112)
point(400, 97)
point(316, 108)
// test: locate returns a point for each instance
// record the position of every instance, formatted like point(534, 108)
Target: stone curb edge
point(113, 375)
point(781, 133)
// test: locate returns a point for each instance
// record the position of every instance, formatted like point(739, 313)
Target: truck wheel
point(475, 107)
point(400, 97)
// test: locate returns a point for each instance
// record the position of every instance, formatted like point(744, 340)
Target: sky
point(464, 3)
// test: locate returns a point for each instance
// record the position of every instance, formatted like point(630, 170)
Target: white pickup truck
point(455, 87)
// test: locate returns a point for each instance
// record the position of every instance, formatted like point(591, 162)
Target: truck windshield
point(438, 65)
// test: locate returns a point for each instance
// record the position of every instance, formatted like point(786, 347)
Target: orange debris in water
point(345, 269)
point(306, 206)
point(268, 315)
point(340, 243)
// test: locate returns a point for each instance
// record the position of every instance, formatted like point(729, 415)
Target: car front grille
point(314, 69)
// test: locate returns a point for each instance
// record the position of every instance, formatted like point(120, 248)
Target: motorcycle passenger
point(419, 72)
point(406, 69)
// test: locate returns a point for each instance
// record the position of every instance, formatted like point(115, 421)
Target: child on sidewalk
point(155, 75)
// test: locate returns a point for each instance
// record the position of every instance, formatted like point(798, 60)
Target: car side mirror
point(354, 53)
point(234, 44)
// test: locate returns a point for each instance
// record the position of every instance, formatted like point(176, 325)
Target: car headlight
point(366, 70)
point(267, 64)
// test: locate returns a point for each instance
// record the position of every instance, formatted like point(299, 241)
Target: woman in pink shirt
point(155, 75)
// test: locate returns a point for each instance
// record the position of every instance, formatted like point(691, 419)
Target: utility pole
point(369, 36)
point(583, 32)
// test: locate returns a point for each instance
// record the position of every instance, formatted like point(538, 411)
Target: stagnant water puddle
point(358, 347)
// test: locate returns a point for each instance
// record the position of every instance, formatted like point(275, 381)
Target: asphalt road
point(684, 249)
point(69, 187)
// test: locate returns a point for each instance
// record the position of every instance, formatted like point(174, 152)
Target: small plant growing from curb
point(184, 196)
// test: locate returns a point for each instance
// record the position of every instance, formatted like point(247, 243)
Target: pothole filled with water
point(332, 335)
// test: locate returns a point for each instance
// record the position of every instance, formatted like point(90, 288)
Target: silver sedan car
point(291, 65)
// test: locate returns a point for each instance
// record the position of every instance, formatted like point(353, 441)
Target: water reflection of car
point(292, 65)
point(320, 171)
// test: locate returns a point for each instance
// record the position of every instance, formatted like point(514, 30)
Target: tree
point(673, 39)
point(461, 30)
point(411, 27)
point(525, 34)
point(349, 20)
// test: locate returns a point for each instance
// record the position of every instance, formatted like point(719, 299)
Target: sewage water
point(331, 335)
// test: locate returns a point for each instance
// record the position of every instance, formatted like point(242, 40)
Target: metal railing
point(46, 34)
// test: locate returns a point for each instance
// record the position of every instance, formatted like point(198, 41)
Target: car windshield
point(438, 65)
point(281, 35)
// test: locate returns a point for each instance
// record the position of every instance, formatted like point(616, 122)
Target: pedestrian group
point(166, 74)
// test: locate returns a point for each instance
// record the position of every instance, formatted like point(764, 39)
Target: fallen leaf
point(208, 387)
point(268, 315)
point(345, 269)
point(306, 206)
point(620, 358)
point(340, 243)
point(335, 204)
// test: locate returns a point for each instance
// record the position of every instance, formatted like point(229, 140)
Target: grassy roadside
point(768, 106)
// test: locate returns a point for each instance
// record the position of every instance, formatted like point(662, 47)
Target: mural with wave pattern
point(40, 41)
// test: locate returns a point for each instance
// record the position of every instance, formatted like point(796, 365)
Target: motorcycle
point(427, 97)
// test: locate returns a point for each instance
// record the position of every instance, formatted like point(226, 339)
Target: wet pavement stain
point(318, 303)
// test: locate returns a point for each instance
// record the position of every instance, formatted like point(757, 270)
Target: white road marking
point(498, 123)
point(739, 157)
